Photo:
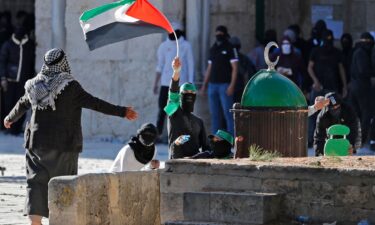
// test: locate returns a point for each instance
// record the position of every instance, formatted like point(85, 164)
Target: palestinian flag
point(120, 21)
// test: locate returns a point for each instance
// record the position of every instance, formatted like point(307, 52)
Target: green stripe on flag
point(89, 14)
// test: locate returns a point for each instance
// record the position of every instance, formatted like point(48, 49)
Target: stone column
point(58, 24)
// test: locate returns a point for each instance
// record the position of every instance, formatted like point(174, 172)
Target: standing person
point(17, 60)
point(327, 72)
point(246, 70)
point(220, 77)
point(139, 153)
point(166, 53)
point(290, 63)
point(186, 132)
point(337, 112)
point(53, 138)
point(299, 42)
point(346, 41)
point(361, 73)
point(5, 33)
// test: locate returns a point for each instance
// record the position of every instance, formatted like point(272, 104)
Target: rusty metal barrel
point(272, 114)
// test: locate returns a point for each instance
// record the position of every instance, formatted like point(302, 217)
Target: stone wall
point(130, 198)
point(323, 194)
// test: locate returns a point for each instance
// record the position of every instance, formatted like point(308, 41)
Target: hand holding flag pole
point(123, 20)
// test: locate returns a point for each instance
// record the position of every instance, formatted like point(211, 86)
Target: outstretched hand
point(176, 65)
point(131, 114)
point(7, 124)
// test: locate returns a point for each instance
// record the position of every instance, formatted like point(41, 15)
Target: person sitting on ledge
point(186, 132)
point(139, 153)
point(337, 112)
point(221, 144)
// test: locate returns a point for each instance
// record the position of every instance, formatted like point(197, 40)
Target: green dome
point(267, 88)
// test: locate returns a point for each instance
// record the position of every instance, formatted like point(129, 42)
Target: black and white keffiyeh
point(54, 76)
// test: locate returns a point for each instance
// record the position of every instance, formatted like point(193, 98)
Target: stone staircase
point(229, 208)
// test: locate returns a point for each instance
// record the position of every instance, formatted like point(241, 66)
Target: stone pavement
point(97, 156)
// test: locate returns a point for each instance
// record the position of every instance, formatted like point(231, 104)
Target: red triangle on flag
point(146, 12)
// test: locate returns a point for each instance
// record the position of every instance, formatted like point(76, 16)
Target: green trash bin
point(272, 114)
point(337, 146)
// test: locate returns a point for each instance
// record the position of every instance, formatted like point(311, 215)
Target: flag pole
point(175, 35)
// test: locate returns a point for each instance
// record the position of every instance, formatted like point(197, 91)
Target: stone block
point(230, 207)
point(317, 192)
point(195, 223)
point(95, 199)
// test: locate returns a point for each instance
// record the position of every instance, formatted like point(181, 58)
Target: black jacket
point(61, 129)
point(361, 68)
point(10, 60)
point(182, 123)
point(325, 120)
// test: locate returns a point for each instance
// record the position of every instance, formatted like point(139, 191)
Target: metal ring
point(271, 65)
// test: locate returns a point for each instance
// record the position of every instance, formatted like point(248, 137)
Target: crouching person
point(186, 132)
point(139, 153)
point(221, 144)
point(337, 112)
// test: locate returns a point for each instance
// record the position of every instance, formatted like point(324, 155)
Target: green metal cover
point(267, 88)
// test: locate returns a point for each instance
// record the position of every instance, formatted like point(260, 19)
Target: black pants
point(2, 113)
point(11, 96)
point(41, 166)
point(361, 102)
point(163, 99)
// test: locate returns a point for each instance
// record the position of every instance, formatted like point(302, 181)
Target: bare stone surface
point(230, 207)
point(105, 199)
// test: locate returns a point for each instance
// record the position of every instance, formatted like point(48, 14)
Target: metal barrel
point(281, 130)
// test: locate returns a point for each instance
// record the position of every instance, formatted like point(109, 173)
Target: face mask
point(220, 148)
point(147, 139)
point(19, 33)
point(220, 38)
point(172, 37)
point(335, 113)
point(286, 49)
point(187, 102)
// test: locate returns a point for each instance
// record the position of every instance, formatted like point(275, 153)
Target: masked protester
point(361, 73)
point(165, 54)
point(291, 64)
point(53, 137)
point(220, 80)
point(17, 61)
point(220, 146)
point(186, 132)
point(139, 153)
point(346, 41)
point(327, 71)
point(337, 112)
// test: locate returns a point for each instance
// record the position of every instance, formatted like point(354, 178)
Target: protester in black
point(186, 132)
point(220, 146)
point(361, 73)
point(327, 72)
point(337, 112)
point(17, 61)
point(347, 53)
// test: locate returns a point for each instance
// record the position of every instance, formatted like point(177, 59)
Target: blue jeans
point(219, 100)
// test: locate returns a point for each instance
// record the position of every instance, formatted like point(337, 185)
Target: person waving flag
point(122, 20)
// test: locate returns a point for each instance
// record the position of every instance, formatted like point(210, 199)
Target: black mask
point(335, 113)
point(187, 102)
point(142, 153)
point(19, 33)
point(220, 148)
point(220, 39)
point(172, 37)
point(147, 139)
